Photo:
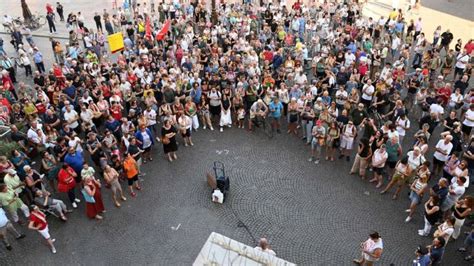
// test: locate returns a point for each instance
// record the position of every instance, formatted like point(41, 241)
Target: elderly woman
point(93, 198)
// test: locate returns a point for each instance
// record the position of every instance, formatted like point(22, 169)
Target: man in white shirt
point(71, 117)
point(395, 45)
point(341, 97)
point(437, 110)
point(461, 61)
point(455, 191)
point(367, 93)
point(349, 58)
point(35, 134)
point(402, 124)
point(468, 122)
point(443, 149)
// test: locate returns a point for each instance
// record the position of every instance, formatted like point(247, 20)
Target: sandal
point(117, 204)
point(151, 159)
point(133, 194)
point(468, 258)
point(461, 249)
point(138, 188)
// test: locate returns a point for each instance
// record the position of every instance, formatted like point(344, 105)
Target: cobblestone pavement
point(312, 214)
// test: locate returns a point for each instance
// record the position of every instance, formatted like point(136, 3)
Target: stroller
point(219, 181)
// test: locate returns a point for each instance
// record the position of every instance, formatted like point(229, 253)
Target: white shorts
point(346, 143)
point(45, 233)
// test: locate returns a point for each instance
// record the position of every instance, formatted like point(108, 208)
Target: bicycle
point(35, 22)
point(260, 121)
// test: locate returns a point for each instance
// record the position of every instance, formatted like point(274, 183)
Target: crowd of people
point(372, 89)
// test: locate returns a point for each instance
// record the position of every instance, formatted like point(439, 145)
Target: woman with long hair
point(462, 209)
point(400, 177)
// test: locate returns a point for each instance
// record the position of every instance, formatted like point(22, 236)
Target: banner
point(161, 35)
point(115, 42)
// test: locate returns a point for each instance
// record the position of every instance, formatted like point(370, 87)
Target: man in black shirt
point(381, 101)
point(462, 84)
point(446, 39)
point(52, 119)
point(38, 79)
point(19, 137)
point(98, 24)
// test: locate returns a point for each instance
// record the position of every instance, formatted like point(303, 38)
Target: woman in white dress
point(226, 117)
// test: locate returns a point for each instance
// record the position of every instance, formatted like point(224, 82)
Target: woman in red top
point(93, 198)
point(38, 222)
point(67, 183)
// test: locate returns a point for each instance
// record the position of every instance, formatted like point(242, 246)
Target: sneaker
point(408, 219)
point(229, 126)
point(77, 200)
point(53, 240)
point(310, 159)
point(9, 247)
point(222, 130)
point(407, 210)
point(422, 233)
point(348, 158)
point(53, 250)
point(204, 127)
point(21, 236)
point(316, 162)
point(212, 129)
point(74, 205)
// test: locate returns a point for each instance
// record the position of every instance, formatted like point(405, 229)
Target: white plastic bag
point(217, 196)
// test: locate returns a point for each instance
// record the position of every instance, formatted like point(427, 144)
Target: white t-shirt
point(378, 158)
point(341, 97)
point(461, 61)
point(413, 161)
point(396, 43)
point(69, 116)
point(151, 116)
point(469, 118)
point(436, 109)
point(444, 147)
point(401, 123)
point(368, 92)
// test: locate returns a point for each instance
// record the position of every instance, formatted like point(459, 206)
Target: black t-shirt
point(450, 121)
point(40, 81)
point(342, 120)
point(414, 85)
point(49, 120)
point(470, 162)
point(461, 85)
point(133, 149)
point(386, 101)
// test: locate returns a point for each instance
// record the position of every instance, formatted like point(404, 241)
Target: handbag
point(88, 198)
point(165, 140)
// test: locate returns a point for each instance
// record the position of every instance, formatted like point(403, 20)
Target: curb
point(40, 35)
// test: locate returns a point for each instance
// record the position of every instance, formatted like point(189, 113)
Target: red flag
point(161, 35)
point(147, 28)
